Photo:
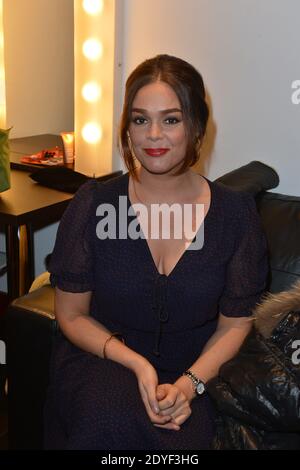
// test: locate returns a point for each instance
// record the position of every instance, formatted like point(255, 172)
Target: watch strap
point(196, 382)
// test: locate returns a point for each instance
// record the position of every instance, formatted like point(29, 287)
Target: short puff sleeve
point(71, 265)
point(247, 269)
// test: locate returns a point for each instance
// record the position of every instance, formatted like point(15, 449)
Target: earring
point(130, 146)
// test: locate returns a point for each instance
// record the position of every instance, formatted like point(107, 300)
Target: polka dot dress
point(94, 403)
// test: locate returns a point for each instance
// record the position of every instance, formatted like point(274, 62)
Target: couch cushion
point(281, 221)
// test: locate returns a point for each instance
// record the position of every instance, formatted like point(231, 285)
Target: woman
point(180, 311)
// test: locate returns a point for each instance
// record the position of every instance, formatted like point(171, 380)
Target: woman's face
point(157, 131)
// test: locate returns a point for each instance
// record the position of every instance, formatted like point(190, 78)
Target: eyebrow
point(164, 111)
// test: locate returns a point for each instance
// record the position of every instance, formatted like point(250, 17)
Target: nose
point(155, 131)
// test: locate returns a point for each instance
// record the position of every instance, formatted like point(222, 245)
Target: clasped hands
point(167, 405)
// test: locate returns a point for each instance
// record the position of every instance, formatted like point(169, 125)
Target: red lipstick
point(156, 152)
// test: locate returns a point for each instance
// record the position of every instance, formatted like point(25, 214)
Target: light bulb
point(93, 7)
point(92, 132)
point(92, 49)
point(91, 92)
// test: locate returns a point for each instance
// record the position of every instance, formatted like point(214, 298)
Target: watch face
point(200, 389)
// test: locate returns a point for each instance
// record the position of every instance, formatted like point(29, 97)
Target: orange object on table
point(48, 157)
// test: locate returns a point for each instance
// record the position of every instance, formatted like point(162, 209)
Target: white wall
point(39, 59)
point(39, 66)
point(248, 53)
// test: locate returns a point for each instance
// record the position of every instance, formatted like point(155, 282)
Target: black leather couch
point(31, 321)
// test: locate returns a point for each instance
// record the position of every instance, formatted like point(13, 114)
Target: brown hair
point(188, 85)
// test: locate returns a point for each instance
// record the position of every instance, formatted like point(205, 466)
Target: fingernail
point(156, 410)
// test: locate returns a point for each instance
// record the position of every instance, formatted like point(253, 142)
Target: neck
point(162, 188)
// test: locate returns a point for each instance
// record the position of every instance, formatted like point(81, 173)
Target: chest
point(173, 239)
point(170, 230)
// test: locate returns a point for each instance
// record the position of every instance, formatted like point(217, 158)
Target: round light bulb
point(92, 49)
point(91, 92)
point(92, 133)
point(93, 7)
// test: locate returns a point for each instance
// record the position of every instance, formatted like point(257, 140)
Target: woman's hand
point(148, 382)
point(174, 400)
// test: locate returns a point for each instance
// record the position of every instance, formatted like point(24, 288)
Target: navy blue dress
point(94, 403)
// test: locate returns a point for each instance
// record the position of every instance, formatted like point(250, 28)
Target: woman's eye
point(172, 120)
point(139, 120)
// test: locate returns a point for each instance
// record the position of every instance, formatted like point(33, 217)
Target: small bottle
point(68, 141)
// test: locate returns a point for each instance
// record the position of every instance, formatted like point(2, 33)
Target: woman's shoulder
point(94, 190)
point(91, 194)
point(227, 198)
point(119, 184)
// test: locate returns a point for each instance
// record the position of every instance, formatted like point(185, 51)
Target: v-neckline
point(183, 255)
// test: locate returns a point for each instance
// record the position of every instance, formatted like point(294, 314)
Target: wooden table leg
point(20, 260)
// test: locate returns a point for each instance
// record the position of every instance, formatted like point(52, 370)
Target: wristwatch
point(199, 386)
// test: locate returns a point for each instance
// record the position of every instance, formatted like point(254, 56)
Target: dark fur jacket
point(257, 393)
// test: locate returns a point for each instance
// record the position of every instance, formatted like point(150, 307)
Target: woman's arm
point(175, 399)
point(72, 314)
point(221, 347)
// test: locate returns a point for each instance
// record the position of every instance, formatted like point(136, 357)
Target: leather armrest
point(31, 327)
point(40, 302)
point(253, 178)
